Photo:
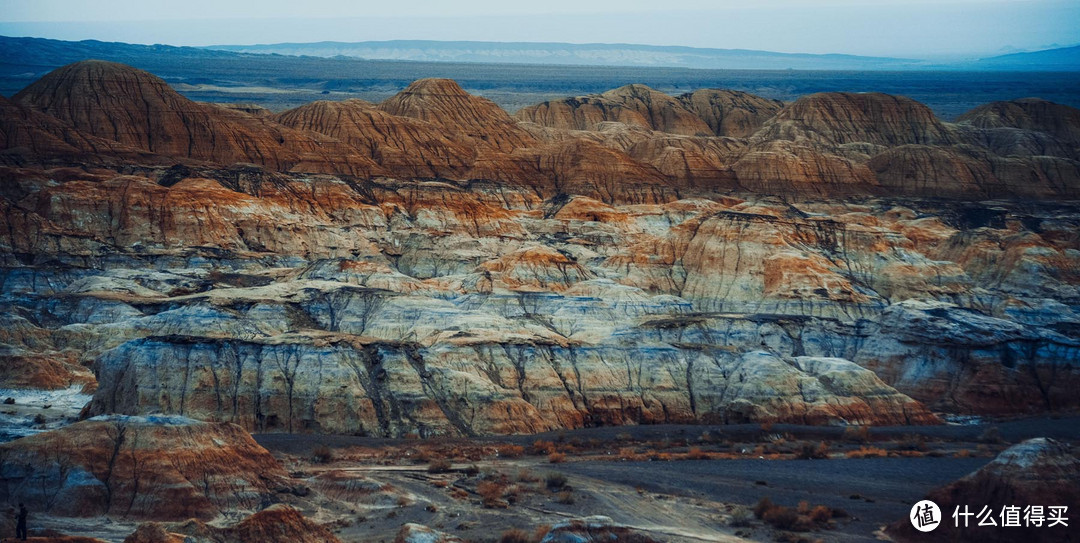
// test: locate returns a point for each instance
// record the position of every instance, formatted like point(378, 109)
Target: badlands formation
point(432, 266)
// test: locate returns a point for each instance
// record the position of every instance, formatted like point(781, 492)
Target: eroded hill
point(430, 265)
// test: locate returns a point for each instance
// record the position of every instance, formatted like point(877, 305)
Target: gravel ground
point(1067, 428)
point(886, 487)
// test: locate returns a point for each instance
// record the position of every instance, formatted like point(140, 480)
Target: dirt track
point(893, 484)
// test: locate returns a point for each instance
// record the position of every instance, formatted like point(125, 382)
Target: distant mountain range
point(596, 54)
point(280, 81)
point(1065, 59)
point(601, 54)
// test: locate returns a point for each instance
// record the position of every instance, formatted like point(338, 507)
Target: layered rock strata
point(165, 468)
point(431, 266)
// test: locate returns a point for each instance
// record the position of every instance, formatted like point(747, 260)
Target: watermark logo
point(925, 516)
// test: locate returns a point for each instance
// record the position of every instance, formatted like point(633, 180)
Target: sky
point(899, 28)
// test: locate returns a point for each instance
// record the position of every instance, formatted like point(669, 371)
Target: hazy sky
point(869, 27)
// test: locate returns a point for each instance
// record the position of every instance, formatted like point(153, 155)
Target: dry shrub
point(511, 451)
point(423, 456)
point(740, 518)
point(695, 453)
point(511, 493)
point(403, 501)
point(912, 442)
point(526, 476)
point(491, 494)
point(514, 535)
point(803, 508)
point(821, 514)
point(540, 448)
point(963, 453)
point(657, 456)
point(555, 481)
point(441, 484)
point(322, 455)
point(762, 507)
point(556, 458)
point(766, 426)
point(808, 451)
point(781, 517)
point(541, 531)
point(867, 452)
point(857, 434)
point(440, 465)
point(565, 497)
point(911, 454)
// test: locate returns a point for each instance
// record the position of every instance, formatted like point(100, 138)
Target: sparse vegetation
point(514, 535)
point(555, 481)
point(322, 455)
point(491, 494)
point(740, 517)
point(867, 452)
point(857, 434)
point(802, 518)
point(511, 451)
point(781, 517)
point(526, 476)
point(440, 465)
point(541, 448)
point(911, 442)
point(821, 514)
point(541, 531)
point(763, 505)
point(695, 453)
point(808, 451)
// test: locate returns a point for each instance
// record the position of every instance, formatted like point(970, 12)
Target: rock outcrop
point(1060, 121)
point(28, 137)
point(275, 524)
point(403, 146)
point(793, 169)
point(165, 468)
point(658, 146)
point(633, 105)
point(1039, 472)
point(418, 533)
point(839, 118)
point(730, 113)
point(958, 171)
point(491, 311)
point(444, 103)
point(120, 103)
point(594, 529)
point(512, 278)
